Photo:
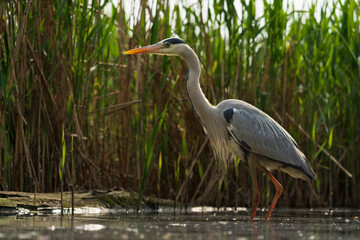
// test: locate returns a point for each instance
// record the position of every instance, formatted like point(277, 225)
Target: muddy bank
point(12, 202)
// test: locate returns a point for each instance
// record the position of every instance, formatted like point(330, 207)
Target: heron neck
point(197, 98)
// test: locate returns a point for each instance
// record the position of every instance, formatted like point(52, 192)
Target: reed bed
point(126, 120)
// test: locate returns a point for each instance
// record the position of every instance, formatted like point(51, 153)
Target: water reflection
point(204, 224)
point(255, 232)
point(90, 227)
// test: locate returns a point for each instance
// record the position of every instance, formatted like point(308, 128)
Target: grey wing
point(257, 132)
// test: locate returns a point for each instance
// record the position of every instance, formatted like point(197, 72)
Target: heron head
point(169, 46)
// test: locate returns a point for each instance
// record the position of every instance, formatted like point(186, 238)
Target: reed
point(61, 169)
point(61, 66)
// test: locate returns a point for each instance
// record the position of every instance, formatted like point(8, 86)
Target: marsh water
point(196, 223)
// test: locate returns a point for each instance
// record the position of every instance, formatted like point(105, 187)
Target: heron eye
point(167, 44)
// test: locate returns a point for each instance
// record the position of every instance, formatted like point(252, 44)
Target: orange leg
point(278, 188)
point(256, 200)
point(256, 196)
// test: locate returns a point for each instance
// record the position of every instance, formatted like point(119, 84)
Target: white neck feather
point(197, 98)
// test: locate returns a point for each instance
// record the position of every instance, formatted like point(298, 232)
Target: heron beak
point(148, 49)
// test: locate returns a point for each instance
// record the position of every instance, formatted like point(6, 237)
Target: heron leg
point(278, 188)
point(256, 199)
point(256, 196)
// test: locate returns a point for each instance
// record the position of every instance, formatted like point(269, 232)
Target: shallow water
point(197, 223)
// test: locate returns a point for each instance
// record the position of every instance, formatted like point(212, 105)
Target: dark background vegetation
point(127, 122)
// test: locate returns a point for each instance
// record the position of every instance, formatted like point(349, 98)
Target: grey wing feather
point(264, 136)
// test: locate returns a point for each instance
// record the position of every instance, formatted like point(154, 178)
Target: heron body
point(237, 127)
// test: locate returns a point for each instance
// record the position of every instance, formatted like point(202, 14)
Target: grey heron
point(237, 127)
